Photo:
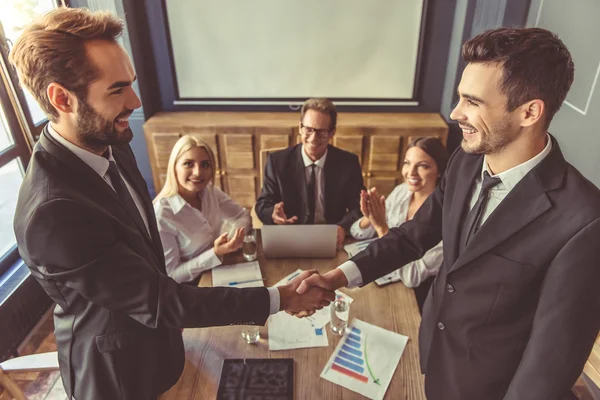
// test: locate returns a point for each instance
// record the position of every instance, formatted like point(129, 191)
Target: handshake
point(310, 291)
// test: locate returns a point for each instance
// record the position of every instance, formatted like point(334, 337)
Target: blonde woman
point(191, 213)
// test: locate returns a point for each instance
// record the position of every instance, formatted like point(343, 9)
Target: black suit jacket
point(515, 314)
point(118, 315)
point(285, 180)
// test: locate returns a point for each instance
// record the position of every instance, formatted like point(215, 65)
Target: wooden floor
point(48, 385)
point(40, 385)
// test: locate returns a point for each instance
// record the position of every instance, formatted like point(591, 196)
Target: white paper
point(365, 359)
point(354, 248)
point(288, 332)
point(238, 275)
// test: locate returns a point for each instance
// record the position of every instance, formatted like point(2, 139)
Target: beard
point(97, 132)
point(497, 139)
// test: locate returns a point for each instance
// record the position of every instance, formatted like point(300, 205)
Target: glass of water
point(340, 312)
point(251, 333)
point(249, 247)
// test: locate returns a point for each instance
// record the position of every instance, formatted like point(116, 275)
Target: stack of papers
point(365, 359)
point(356, 247)
point(289, 332)
point(238, 275)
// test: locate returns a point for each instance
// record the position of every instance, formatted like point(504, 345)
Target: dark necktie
point(471, 224)
point(311, 194)
point(125, 196)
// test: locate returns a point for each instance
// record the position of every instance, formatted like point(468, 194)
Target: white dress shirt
point(100, 165)
point(319, 184)
point(396, 213)
point(509, 179)
point(188, 234)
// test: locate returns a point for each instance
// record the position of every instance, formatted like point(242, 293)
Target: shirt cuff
point(352, 273)
point(274, 300)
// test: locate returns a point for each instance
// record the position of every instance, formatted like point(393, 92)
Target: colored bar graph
point(350, 350)
point(349, 373)
point(354, 337)
point(350, 359)
point(349, 365)
point(355, 360)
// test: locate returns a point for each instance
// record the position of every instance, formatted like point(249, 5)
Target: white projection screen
point(283, 49)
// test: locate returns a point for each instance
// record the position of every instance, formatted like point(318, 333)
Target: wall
point(575, 124)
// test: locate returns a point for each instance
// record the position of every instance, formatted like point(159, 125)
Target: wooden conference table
point(391, 307)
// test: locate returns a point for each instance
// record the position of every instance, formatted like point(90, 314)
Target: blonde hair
point(323, 106)
point(53, 50)
point(185, 143)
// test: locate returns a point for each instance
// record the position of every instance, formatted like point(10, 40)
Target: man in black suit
point(514, 310)
point(312, 182)
point(85, 225)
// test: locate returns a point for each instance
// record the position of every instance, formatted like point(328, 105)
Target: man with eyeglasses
point(312, 182)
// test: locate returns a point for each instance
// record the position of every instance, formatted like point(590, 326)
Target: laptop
point(299, 241)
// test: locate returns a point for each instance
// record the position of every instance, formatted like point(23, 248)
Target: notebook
point(257, 378)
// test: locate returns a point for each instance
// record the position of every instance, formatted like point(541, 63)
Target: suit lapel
point(526, 202)
point(461, 200)
point(299, 179)
point(103, 193)
point(129, 169)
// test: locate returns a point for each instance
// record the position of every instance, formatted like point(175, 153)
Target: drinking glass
point(249, 247)
point(340, 312)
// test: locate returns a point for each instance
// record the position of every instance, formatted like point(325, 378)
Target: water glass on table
point(340, 313)
point(251, 333)
point(249, 247)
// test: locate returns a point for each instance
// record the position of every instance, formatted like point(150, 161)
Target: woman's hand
point(223, 245)
point(376, 209)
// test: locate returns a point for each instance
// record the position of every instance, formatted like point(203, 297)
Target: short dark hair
point(536, 65)
point(324, 106)
point(53, 50)
point(434, 149)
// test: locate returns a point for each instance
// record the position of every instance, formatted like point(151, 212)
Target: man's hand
point(312, 299)
point(341, 234)
point(223, 245)
point(279, 217)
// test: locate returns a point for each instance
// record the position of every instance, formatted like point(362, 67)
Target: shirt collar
point(512, 176)
point(96, 162)
point(177, 202)
point(307, 161)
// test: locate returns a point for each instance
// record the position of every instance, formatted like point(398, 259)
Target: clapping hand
point(311, 299)
point(372, 206)
point(279, 217)
point(224, 245)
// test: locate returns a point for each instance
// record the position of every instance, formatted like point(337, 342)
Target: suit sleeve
point(352, 196)
point(77, 247)
point(269, 195)
point(408, 242)
point(565, 324)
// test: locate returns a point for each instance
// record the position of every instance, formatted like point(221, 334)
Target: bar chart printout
point(365, 359)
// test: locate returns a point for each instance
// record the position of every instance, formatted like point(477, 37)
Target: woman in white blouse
point(424, 163)
point(194, 216)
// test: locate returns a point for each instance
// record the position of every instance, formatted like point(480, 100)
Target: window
point(21, 120)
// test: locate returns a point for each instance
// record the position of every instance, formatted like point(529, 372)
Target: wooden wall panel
point(238, 151)
point(384, 153)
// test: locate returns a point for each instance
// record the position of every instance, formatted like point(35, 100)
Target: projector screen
point(283, 49)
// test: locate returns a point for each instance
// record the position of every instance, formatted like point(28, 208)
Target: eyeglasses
point(320, 133)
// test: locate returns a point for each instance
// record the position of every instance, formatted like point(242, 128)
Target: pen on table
point(248, 281)
point(293, 276)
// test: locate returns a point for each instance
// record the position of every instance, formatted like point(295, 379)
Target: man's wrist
point(283, 298)
point(336, 278)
